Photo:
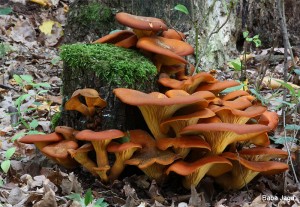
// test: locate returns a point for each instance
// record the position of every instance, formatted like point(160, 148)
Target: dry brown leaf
point(274, 84)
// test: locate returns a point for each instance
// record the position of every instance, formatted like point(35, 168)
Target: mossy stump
point(105, 67)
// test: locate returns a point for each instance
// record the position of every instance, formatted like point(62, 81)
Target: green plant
point(29, 123)
point(88, 199)
point(55, 120)
point(113, 65)
point(5, 165)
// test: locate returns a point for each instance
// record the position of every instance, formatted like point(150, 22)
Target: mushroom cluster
point(195, 129)
point(165, 47)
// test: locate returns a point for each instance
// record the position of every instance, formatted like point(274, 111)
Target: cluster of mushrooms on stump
point(195, 129)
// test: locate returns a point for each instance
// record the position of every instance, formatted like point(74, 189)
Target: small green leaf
point(33, 124)
point(21, 98)
point(297, 71)
point(248, 39)
point(5, 165)
point(34, 132)
point(27, 78)
point(44, 85)
point(9, 152)
point(55, 60)
point(75, 197)
point(17, 136)
point(42, 91)
point(292, 127)
point(282, 140)
point(88, 198)
point(234, 88)
point(18, 79)
point(100, 203)
point(289, 87)
point(256, 37)
point(181, 8)
point(5, 11)
point(257, 42)
point(245, 34)
point(236, 64)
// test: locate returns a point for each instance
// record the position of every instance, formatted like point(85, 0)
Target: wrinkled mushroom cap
point(141, 22)
point(33, 138)
point(89, 135)
point(59, 150)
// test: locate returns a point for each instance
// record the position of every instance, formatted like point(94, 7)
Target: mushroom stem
point(116, 169)
point(101, 154)
point(84, 160)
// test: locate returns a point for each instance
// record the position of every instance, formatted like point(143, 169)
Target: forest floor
point(32, 180)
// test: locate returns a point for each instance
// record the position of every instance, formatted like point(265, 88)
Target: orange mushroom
point(167, 51)
point(59, 152)
point(122, 152)
point(217, 87)
point(182, 145)
point(92, 100)
point(231, 115)
point(41, 140)
point(173, 34)
point(220, 135)
point(81, 156)
point(269, 118)
point(66, 132)
point(244, 171)
point(234, 95)
point(177, 123)
point(193, 172)
point(142, 26)
point(190, 84)
point(123, 38)
point(157, 107)
point(149, 158)
point(100, 140)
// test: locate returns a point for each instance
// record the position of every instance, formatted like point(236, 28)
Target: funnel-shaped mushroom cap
point(220, 135)
point(173, 34)
point(100, 140)
point(141, 24)
point(235, 116)
point(182, 145)
point(262, 153)
point(60, 149)
point(41, 140)
point(269, 118)
point(66, 132)
point(59, 152)
point(244, 171)
point(194, 172)
point(234, 95)
point(190, 84)
point(157, 107)
point(217, 87)
point(150, 159)
point(239, 103)
point(92, 100)
point(123, 38)
point(177, 123)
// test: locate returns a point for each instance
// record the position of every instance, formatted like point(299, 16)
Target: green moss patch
point(115, 65)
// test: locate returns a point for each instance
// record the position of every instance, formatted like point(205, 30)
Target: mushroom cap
point(123, 38)
point(149, 154)
point(267, 167)
point(164, 46)
point(179, 122)
point(189, 84)
point(220, 135)
point(231, 115)
point(217, 87)
point(141, 22)
point(269, 118)
point(173, 34)
point(59, 150)
point(33, 138)
point(89, 135)
point(182, 142)
point(67, 132)
point(117, 147)
point(157, 107)
point(262, 153)
point(92, 100)
point(234, 95)
point(194, 172)
point(87, 147)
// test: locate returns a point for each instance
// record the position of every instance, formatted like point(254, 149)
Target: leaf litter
point(28, 46)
